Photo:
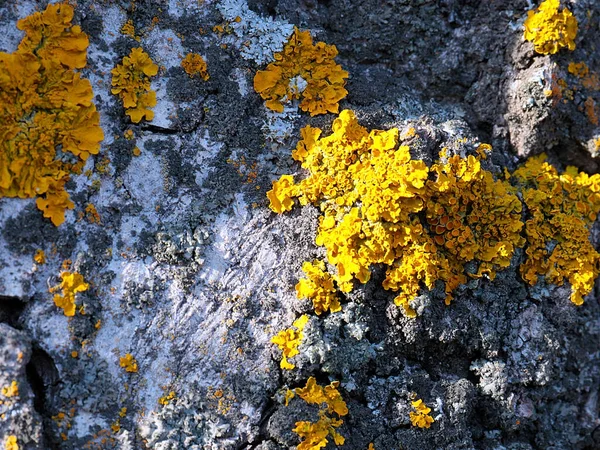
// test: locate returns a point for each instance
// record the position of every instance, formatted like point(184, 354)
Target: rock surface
point(192, 274)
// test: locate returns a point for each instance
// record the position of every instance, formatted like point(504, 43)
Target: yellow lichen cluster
point(128, 29)
point(470, 216)
point(303, 70)
point(318, 287)
point(128, 363)
point(588, 78)
point(382, 207)
point(420, 417)
point(167, 398)
point(11, 443)
point(550, 29)
point(71, 284)
point(314, 434)
point(49, 124)
point(12, 390)
point(562, 208)
point(131, 82)
point(91, 214)
point(289, 340)
point(194, 65)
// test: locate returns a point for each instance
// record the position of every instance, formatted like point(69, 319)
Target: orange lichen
point(194, 65)
point(12, 390)
point(11, 443)
point(128, 29)
point(563, 209)
point(282, 193)
point(420, 417)
point(166, 399)
point(580, 69)
point(318, 287)
point(136, 151)
point(40, 256)
point(131, 82)
point(70, 285)
point(374, 198)
point(473, 217)
point(91, 214)
point(591, 111)
point(289, 340)
point(314, 435)
point(303, 70)
point(49, 124)
point(550, 29)
point(128, 363)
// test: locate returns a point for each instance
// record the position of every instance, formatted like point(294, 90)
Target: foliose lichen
point(195, 66)
point(128, 363)
point(550, 29)
point(288, 341)
point(49, 124)
point(303, 70)
point(71, 283)
point(314, 435)
point(431, 224)
point(420, 416)
point(131, 82)
point(563, 208)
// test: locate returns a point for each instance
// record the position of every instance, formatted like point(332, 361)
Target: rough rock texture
point(192, 274)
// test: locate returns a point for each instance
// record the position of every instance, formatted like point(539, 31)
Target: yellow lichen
point(289, 394)
point(11, 443)
point(303, 70)
point(289, 340)
point(374, 198)
point(166, 399)
point(128, 363)
point(318, 287)
point(550, 29)
point(71, 284)
point(280, 196)
point(314, 435)
point(580, 69)
point(131, 82)
point(91, 214)
point(562, 208)
point(49, 124)
point(40, 256)
point(194, 65)
point(12, 390)
point(128, 29)
point(420, 417)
